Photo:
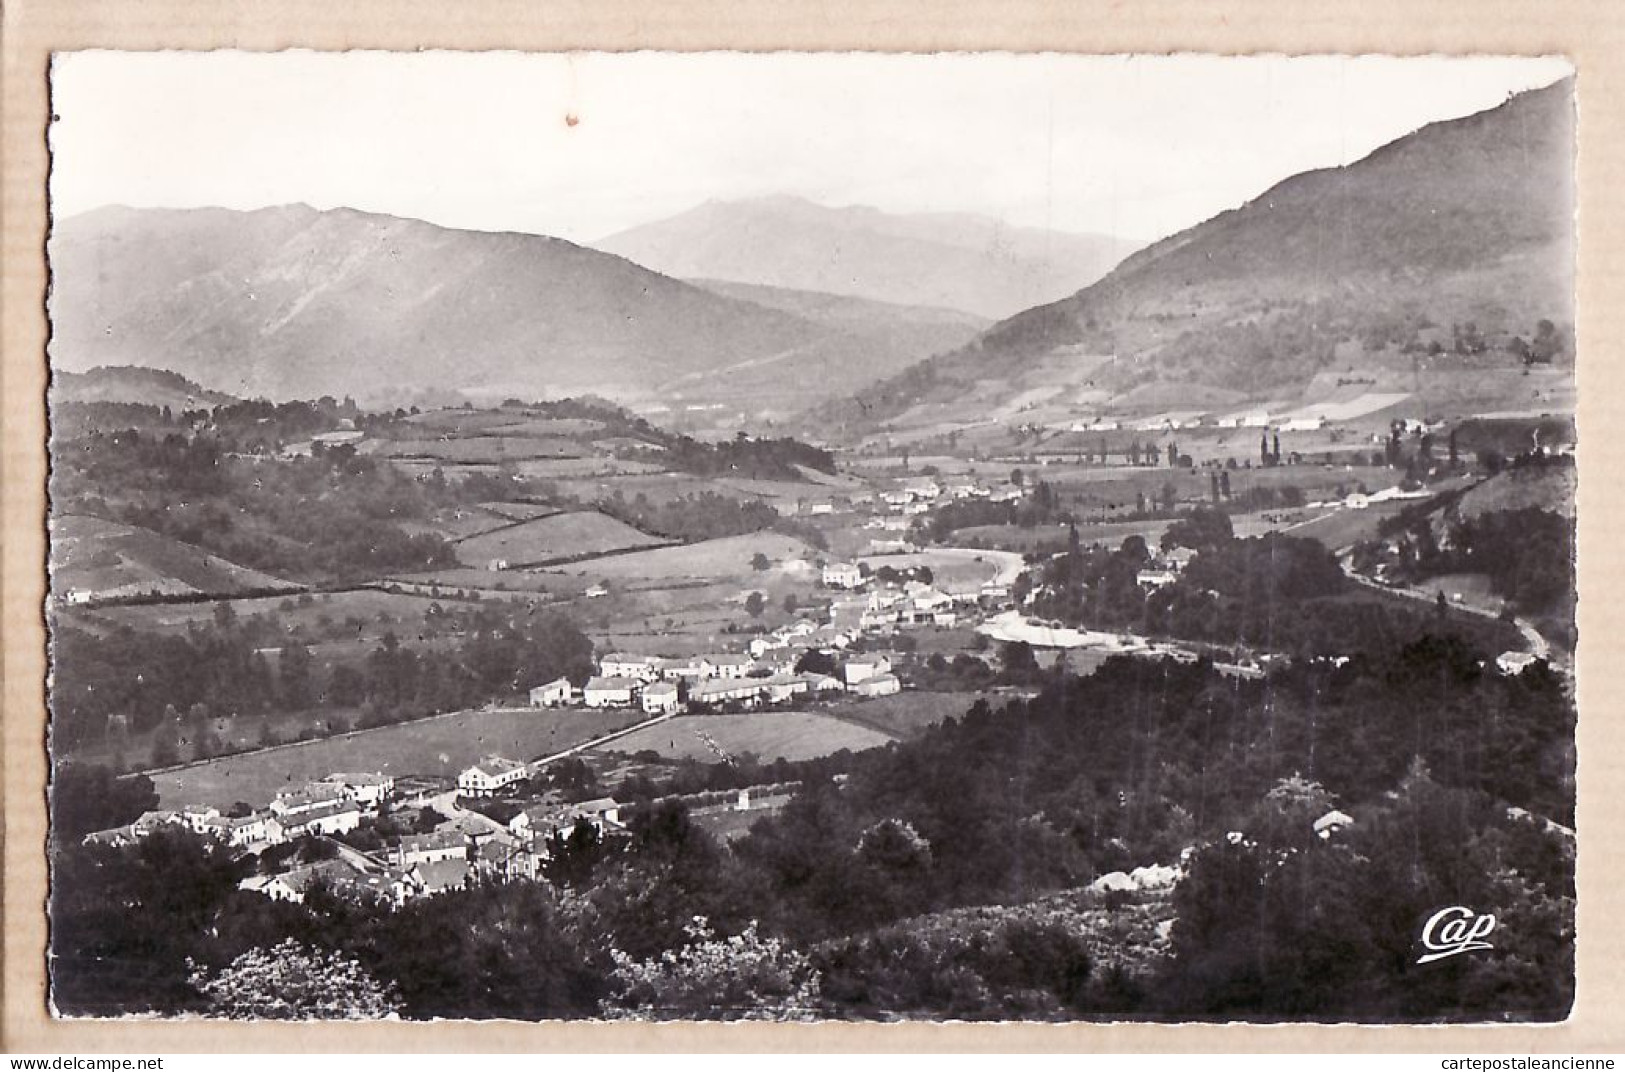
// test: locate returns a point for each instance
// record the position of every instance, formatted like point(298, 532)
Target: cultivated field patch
point(768, 735)
point(549, 539)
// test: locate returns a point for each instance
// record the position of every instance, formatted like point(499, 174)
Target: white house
point(620, 664)
point(489, 775)
point(339, 818)
point(238, 831)
point(610, 692)
point(863, 667)
point(294, 802)
point(660, 698)
point(436, 845)
point(843, 575)
point(1513, 663)
point(544, 820)
point(1331, 823)
point(728, 667)
point(782, 687)
point(367, 789)
point(552, 694)
point(747, 690)
point(198, 816)
point(683, 668)
point(1155, 578)
point(879, 685)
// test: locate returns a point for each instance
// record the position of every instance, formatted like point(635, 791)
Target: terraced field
point(549, 539)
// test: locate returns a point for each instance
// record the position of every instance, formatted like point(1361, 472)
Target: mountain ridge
point(1353, 270)
point(292, 301)
point(953, 260)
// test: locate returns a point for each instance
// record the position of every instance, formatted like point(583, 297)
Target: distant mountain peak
point(976, 264)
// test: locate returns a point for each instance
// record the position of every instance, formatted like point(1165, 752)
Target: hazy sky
point(583, 145)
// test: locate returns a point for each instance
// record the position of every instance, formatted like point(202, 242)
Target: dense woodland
point(855, 901)
point(165, 694)
point(1272, 592)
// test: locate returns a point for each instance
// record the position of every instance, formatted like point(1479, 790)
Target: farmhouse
point(367, 790)
point(238, 831)
point(343, 875)
point(489, 775)
point(1155, 578)
point(684, 668)
point(198, 816)
point(736, 691)
point(545, 820)
point(843, 575)
point(728, 666)
point(782, 687)
point(620, 664)
point(293, 802)
point(1513, 663)
point(443, 875)
point(339, 818)
point(610, 691)
point(860, 668)
point(660, 698)
point(436, 845)
point(552, 694)
point(817, 683)
point(879, 685)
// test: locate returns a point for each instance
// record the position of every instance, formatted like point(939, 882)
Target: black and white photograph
point(812, 537)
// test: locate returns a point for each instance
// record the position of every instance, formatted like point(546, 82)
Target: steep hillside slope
point(133, 386)
point(1430, 262)
point(93, 559)
point(965, 262)
point(295, 302)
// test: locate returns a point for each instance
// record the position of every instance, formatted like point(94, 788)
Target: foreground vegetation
point(1141, 763)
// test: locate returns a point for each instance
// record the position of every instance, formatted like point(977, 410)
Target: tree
point(813, 661)
point(1224, 481)
point(291, 981)
point(755, 604)
point(746, 977)
point(1017, 658)
point(1264, 448)
point(791, 603)
point(86, 797)
point(1017, 477)
point(759, 562)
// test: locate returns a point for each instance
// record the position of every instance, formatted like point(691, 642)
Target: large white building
point(489, 775)
point(613, 691)
point(843, 575)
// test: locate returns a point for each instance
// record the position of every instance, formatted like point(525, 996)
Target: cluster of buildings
point(334, 805)
point(768, 672)
point(465, 848)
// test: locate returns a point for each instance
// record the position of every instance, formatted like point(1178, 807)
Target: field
point(727, 557)
point(768, 735)
point(474, 449)
point(549, 539)
point(506, 421)
point(952, 570)
point(435, 747)
point(109, 560)
point(358, 614)
point(461, 582)
point(904, 715)
point(1344, 528)
point(1552, 488)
